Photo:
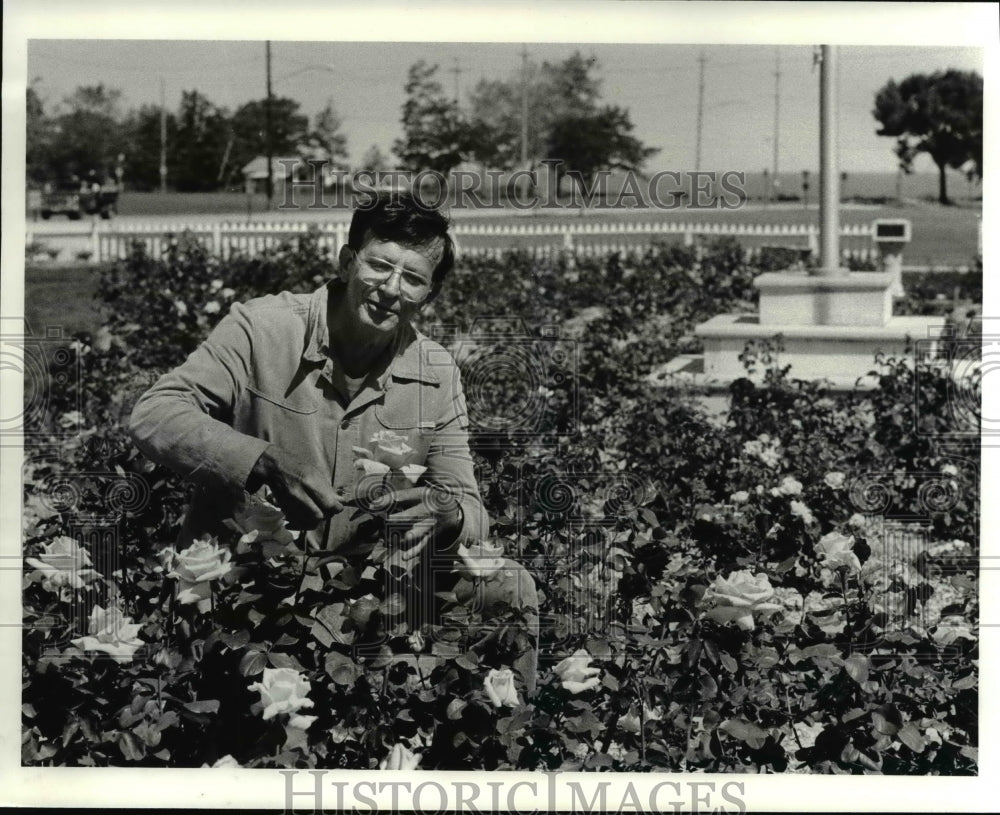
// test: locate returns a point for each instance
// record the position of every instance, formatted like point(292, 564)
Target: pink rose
point(112, 633)
point(284, 690)
point(738, 597)
point(194, 568)
point(576, 673)
point(499, 686)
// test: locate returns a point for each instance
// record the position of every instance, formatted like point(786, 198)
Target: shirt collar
point(409, 360)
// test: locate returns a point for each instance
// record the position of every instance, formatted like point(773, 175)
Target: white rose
point(499, 687)
point(391, 449)
point(194, 568)
point(111, 632)
point(802, 511)
point(837, 551)
point(225, 761)
point(212, 307)
point(788, 486)
point(577, 674)
point(283, 690)
point(400, 758)
point(949, 469)
point(480, 559)
point(740, 497)
point(738, 597)
point(62, 562)
point(834, 480)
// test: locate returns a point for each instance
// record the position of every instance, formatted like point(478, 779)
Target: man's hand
point(433, 513)
point(302, 490)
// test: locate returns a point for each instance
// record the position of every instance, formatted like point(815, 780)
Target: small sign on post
point(891, 235)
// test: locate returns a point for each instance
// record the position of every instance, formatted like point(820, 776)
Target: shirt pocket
point(409, 407)
point(294, 403)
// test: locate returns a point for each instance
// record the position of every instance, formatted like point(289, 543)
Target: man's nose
point(391, 286)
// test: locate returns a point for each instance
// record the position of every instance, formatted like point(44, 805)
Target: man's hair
point(402, 218)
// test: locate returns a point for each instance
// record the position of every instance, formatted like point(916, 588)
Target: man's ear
point(345, 258)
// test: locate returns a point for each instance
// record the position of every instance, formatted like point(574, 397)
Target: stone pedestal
point(830, 327)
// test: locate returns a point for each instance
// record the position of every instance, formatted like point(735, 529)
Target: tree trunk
point(942, 185)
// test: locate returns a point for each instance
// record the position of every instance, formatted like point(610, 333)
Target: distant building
point(255, 173)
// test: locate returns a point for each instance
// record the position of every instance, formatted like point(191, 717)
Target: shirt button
point(341, 491)
point(344, 425)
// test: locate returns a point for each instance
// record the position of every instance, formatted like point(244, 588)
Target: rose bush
point(654, 533)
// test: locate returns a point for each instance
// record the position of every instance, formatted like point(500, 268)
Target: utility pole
point(524, 107)
point(163, 136)
point(777, 119)
point(267, 131)
point(701, 106)
point(829, 179)
point(456, 71)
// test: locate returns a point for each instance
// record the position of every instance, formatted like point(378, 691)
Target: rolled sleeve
point(184, 420)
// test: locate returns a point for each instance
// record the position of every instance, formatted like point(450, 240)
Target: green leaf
point(728, 662)
point(745, 731)
point(709, 687)
point(341, 668)
point(132, 748)
point(911, 736)
point(969, 681)
point(857, 667)
point(253, 663)
point(279, 660)
point(203, 706)
point(468, 661)
point(596, 760)
point(235, 639)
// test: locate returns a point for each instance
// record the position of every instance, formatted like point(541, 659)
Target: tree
point(374, 161)
point(38, 136)
point(87, 134)
point(940, 114)
point(289, 129)
point(325, 141)
point(601, 140)
point(436, 134)
point(565, 120)
point(142, 158)
point(203, 137)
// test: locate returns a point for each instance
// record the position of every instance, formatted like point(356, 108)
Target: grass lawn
point(62, 295)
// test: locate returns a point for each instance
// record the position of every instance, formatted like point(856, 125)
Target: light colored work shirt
point(267, 375)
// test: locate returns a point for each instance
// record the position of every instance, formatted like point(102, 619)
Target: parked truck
point(75, 199)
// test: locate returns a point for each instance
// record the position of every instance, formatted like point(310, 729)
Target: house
point(255, 173)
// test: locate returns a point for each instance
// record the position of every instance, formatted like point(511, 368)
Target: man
point(292, 391)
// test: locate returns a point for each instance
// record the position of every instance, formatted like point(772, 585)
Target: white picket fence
point(113, 241)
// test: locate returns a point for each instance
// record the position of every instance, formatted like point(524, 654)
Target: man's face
point(388, 282)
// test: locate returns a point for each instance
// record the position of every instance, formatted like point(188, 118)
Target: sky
point(657, 83)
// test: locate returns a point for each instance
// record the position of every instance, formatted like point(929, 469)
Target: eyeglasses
point(377, 272)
